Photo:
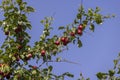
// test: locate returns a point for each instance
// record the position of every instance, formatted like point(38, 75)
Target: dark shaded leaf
point(101, 75)
point(111, 72)
point(30, 9)
point(19, 1)
point(49, 57)
point(68, 74)
point(79, 16)
point(118, 71)
point(75, 21)
point(79, 43)
point(50, 68)
point(58, 59)
point(0, 23)
point(61, 27)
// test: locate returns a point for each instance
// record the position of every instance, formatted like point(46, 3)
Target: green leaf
point(75, 21)
point(30, 9)
point(81, 9)
point(47, 25)
point(34, 72)
point(61, 27)
point(47, 33)
point(88, 79)
point(58, 59)
point(79, 16)
point(98, 18)
point(23, 6)
point(49, 57)
point(118, 71)
point(97, 9)
point(92, 27)
point(115, 62)
point(42, 21)
point(50, 68)
point(1, 23)
point(79, 43)
point(101, 75)
point(90, 12)
point(68, 74)
point(85, 22)
point(45, 70)
point(7, 2)
point(19, 1)
point(28, 25)
point(111, 72)
point(6, 14)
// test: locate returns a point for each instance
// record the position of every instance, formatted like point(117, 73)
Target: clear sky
point(99, 48)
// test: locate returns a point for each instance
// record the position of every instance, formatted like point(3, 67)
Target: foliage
point(15, 53)
point(112, 74)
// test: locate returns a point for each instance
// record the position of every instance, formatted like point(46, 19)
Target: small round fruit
point(72, 34)
point(57, 42)
point(29, 55)
point(43, 52)
point(63, 39)
point(79, 32)
point(7, 33)
point(20, 39)
point(20, 47)
point(66, 41)
point(34, 67)
point(1, 73)
point(80, 27)
point(17, 58)
point(8, 76)
point(18, 29)
point(16, 54)
point(0, 65)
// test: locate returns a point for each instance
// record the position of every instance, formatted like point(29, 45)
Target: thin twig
point(70, 62)
point(64, 60)
point(41, 64)
point(81, 10)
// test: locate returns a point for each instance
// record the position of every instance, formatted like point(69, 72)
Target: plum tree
point(15, 51)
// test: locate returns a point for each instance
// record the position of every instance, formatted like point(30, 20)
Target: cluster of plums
point(65, 40)
point(20, 38)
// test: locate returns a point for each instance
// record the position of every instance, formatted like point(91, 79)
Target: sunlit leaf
point(98, 18)
point(92, 27)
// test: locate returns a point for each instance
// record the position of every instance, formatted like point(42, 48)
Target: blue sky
point(99, 48)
